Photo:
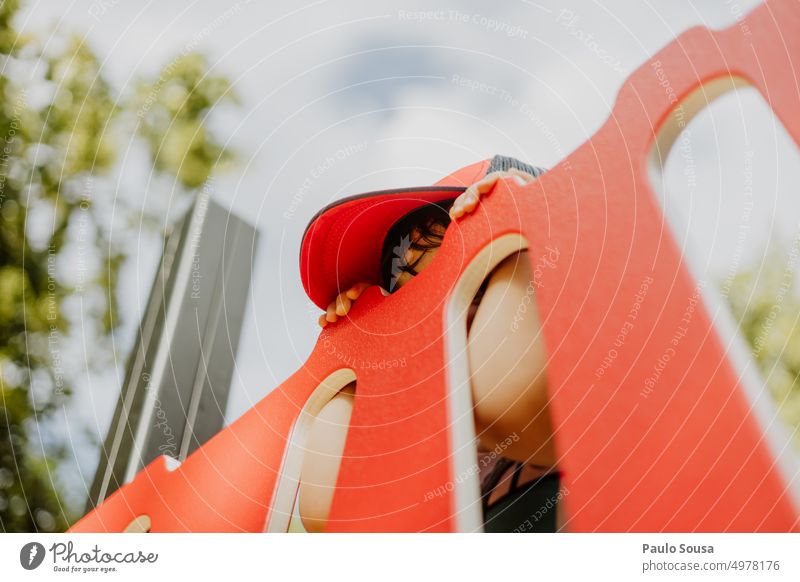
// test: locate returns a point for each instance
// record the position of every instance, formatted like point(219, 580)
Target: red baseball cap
point(342, 243)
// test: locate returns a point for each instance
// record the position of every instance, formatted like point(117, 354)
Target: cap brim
point(342, 243)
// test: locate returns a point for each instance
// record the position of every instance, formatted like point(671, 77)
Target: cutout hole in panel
point(321, 462)
point(141, 524)
point(285, 512)
point(468, 511)
point(726, 172)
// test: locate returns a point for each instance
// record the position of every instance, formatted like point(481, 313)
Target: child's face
point(420, 253)
point(425, 256)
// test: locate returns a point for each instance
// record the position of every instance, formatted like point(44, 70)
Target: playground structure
point(686, 451)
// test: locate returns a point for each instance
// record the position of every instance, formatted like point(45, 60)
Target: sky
point(344, 97)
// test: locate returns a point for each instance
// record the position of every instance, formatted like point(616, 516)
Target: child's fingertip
point(358, 289)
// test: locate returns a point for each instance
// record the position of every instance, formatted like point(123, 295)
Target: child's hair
point(395, 243)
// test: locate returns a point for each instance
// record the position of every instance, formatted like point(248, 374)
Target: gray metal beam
point(179, 373)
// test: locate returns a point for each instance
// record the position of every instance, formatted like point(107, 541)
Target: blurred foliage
point(50, 154)
point(173, 112)
point(765, 303)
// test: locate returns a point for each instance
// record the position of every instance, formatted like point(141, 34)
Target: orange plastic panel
point(674, 451)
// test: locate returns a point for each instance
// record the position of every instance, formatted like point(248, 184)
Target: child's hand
point(468, 201)
point(342, 304)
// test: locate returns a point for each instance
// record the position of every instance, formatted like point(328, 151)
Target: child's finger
point(331, 313)
point(485, 185)
point(322, 320)
point(455, 210)
point(356, 290)
point(342, 305)
point(468, 201)
point(469, 196)
point(526, 177)
point(488, 182)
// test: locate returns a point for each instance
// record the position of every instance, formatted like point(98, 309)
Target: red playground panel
point(657, 436)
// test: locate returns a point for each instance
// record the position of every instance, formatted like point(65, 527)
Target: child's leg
point(507, 363)
point(322, 458)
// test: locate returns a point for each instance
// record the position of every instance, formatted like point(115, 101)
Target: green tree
point(765, 303)
point(52, 153)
